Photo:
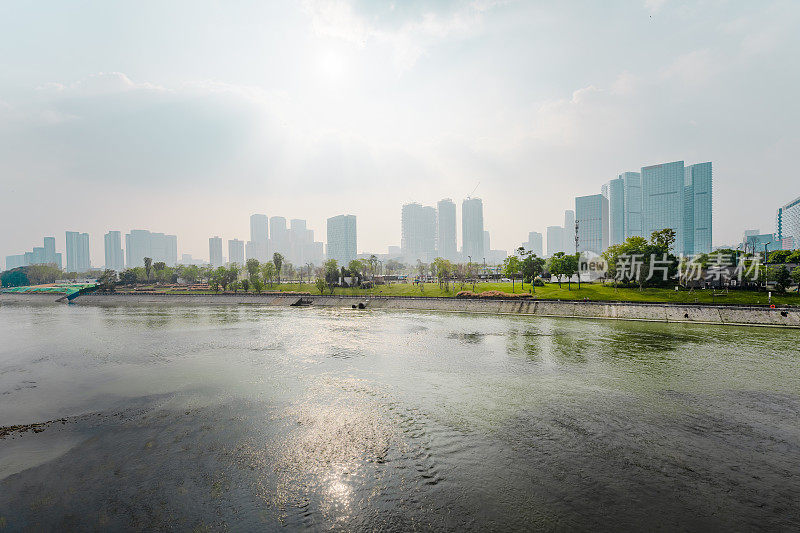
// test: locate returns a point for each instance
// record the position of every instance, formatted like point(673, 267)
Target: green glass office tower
point(591, 212)
point(679, 197)
point(697, 209)
point(624, 207)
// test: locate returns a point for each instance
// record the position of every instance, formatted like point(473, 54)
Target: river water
point(253, 418)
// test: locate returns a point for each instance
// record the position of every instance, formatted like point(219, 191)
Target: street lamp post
point(577, 257)
point(766, 266)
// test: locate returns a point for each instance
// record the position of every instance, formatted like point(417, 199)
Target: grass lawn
point(551, 291)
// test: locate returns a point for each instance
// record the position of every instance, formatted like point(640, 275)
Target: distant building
point(632, 198)
point(236, 251)
point(113, 251)
point(487, 243)
point(187, 259)
point(446, 237)
point(697, 208)
point(302, 247)
point(555, 240)
point(278, 236)
point(787, 224)
point(40, 255)
point(418, 237)
point(592, 214)
point(472, 229)
point(394, 252)
point(15, 261)
point(758, 243)
point(678, 197)
point(495, 257)
point(534, 243)
point(624, 207)
point(616, 210)
point(159, 247)
point(569, 222)
point(77, 248)
point(258, 245)
point(342, 239)
point(215, 252)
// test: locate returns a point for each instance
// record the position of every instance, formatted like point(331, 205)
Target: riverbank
point(595, 292)
point(641, 311)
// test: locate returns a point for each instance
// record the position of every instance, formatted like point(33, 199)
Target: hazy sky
point(186, 117)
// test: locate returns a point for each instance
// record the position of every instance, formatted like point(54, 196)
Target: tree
point(555, 265)
point(245, 283)
point(268, 271)
point(779, 256)
point(422, 268)
point(277, 260)
point(220, 277)
point(781, 276)
point(257, 284)
point(569, 267)
point(128, 277)
point(190, 273)
point(16, 277)
point(252, 266)
point(393, 266)
point(444, 271)
point(165, 274)
point(532, 266)
point(39, 274)
point(355, 267)
point(373, 264)
point(148, 265)
point(319, 283)
point(794, 257)
point(232, 274)
point(159, 265)
point(511, 267)
point(331, 273)
point(664, 239)
point(796, 276)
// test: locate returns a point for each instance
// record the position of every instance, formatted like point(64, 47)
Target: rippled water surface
point(252, 418)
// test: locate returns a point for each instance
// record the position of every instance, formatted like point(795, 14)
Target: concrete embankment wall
point(702, 314)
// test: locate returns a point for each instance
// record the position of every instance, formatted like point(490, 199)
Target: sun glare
point(332, 66)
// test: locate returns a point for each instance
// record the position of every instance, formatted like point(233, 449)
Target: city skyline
point(299, 133)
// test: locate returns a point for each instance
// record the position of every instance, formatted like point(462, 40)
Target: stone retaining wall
point(703, 314)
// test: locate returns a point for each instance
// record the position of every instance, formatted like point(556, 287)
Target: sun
point(332, 66)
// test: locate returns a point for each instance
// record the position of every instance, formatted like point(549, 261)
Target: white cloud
point(409, 37)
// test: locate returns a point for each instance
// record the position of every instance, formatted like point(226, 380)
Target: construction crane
point(473, 190)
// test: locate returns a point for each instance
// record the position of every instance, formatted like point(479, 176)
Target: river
point(255, 418)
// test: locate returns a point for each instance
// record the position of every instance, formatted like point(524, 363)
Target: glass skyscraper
point(616, 211)
point(113, 251)
point(624, 207)
point(678, 197)
point(236, 251)
point(787, 224)
point(418, 232)
point(258, 245)
point(592, 215)
point(342, 239)
point(141, 243)
point(77, 252)
point(663, 200)
point(472, 230)
point(555, 240)
point(215, 251)
point(446, 237)
point(697, 209)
